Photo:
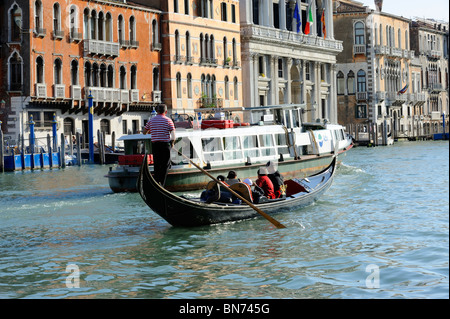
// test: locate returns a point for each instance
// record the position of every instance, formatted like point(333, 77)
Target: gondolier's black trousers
point(161, 160)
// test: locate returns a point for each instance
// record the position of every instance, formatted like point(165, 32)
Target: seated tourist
point(276, 178)
point(232, 178)
point(265, 183)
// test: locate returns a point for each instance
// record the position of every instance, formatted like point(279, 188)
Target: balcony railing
point(284, 36)
point(361, 96)
point(156, 46)
point(58, 34)
point(101, 94)
point(210, 102)
point(41, 90)
point(97, 47)
point(75, 35)
point(40, 32)
point(157, 96)
point(59, 91)
point(76, 92)
point(359, 49)
point(381, 96)
point(134, 95)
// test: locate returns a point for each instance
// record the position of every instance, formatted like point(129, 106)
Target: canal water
point(380, 231)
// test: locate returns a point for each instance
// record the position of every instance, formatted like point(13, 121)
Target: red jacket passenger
point(265, 183)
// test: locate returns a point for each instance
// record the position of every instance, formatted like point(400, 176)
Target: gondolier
point(162, 130)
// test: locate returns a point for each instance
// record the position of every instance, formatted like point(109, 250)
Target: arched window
point(87, 74)
point(69, 126)
point(109, 27)
point(236, 89)
point(39, 70)
point(74, 72)
point(188, 47)
point(103, 77)
point(73, 19)
point(120, 29)
point(123, 78)
point(227, 89)
point(359, 33)
point(178, 85)
point(57, 71)
point(225, 50)
point(105, 126)
point(177, 45)
point(361, 80)
point(132, 29)
point(351, 82)
point(56, 18)
point(38, 16)
point(234, 50)
point(186, 7)
point(110, 76)
point(133, 74)
point(95, 75)
point(15, 17)
point(340, 83)
point(155, 79)
point(189, 85)
point(15, 72)
point(86, 25)
point(155, 37)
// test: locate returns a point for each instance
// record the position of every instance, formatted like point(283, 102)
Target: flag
point(297, 17)
point(309, 21)
point(324, 29)
point(403, 90)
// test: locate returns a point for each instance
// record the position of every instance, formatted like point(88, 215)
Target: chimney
point(379, 5)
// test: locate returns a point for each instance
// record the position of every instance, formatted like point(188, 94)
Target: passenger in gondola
point(256, 191)
point(265, 183)
point(232, 178)
point(276, 178)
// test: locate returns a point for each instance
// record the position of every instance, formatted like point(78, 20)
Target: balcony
point(156, 47)
point(100, 94)
point(210, 102)
point(96, 47)
point(157, 96)
point(134, 96)
point(380, 49)
point(381, 96)
point(59, 91)
point(41, 90)
point(359, 49)
point(75, 35)
point(361, 96)
point(75, 92)
point(40, 32)
point(433, 54)
point(58, 34)
point(396, 99)
point(435, 87)
point(284, 38)
point(125, 96)
point(396, 52)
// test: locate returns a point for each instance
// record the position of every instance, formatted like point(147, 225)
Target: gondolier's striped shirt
point(160, 127)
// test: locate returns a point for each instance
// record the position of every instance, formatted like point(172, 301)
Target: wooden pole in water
point(103, 146)
point(78, 141)
point(2, 155)
point(113, 141)
point(62, 152)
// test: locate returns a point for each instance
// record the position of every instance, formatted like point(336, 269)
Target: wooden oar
point(259, 211)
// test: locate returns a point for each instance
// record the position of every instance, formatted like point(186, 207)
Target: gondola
point(180, 211)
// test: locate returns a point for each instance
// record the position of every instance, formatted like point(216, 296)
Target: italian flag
point(309, 21)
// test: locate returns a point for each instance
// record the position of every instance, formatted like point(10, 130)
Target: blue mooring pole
point(55, 136)
point(91, 128)
point(31, 134)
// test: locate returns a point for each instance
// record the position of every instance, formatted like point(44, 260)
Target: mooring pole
point(91, 128)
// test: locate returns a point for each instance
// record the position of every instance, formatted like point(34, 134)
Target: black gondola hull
point(180, 211)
